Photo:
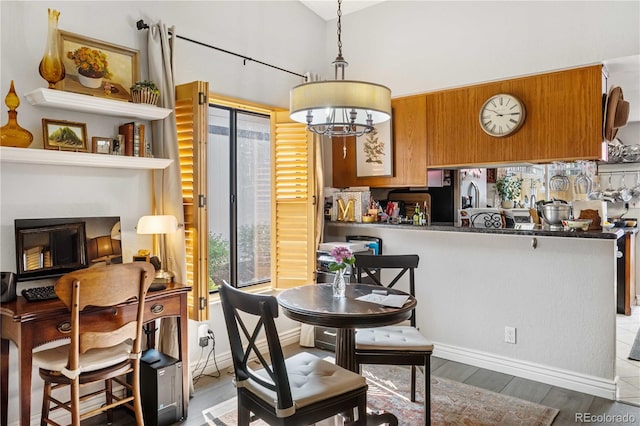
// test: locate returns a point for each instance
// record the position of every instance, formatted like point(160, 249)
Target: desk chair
point(299, 390)
point(97, 351)
point(396, 344)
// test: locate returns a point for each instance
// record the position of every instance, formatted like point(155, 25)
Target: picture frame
point(374, 151)
point(101, 145)
point(122, 64)
point(64, 135)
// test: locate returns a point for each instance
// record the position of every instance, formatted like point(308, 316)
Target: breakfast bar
point(555, 288)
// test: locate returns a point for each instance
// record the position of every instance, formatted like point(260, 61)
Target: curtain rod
point(142, 26)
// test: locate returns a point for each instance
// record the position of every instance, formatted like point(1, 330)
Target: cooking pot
point(555, 212)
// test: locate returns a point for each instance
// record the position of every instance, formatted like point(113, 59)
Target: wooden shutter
point(192, 121)
point(293, 212)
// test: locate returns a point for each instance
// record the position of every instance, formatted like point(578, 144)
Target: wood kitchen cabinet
point(563, 121)
point(409, 150)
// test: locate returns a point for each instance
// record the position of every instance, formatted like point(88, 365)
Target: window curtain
point(167, 185)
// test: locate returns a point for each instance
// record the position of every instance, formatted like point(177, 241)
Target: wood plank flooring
point(212, 391)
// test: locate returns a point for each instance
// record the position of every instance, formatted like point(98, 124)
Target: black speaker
point(8, 288)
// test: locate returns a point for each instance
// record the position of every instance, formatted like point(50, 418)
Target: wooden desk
point(31, 324)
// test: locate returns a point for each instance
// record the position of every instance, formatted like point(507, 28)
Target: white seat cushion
point(392, 337)
point(55, 359)
point(311, 379)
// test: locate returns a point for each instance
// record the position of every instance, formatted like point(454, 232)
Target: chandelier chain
point(339, 29)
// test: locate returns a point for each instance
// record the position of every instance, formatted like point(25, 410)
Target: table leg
point(4, 380)
point(25, 366)
point(184, 352)
point(346, 348)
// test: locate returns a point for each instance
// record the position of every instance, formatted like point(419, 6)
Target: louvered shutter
point(191, 121)
point(293, 215)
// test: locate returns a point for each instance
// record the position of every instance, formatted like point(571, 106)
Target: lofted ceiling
point(328, 9)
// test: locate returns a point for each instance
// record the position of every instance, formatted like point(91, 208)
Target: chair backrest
point(103, 286)
point(371, 266)
point(240, 309)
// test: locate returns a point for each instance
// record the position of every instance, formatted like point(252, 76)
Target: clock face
point(502, 115)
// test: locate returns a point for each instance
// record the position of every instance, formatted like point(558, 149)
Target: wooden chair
point(299, 390)
point(97, 352)
point(395, 344)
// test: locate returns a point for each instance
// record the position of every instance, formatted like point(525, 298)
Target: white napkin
point(393, 300)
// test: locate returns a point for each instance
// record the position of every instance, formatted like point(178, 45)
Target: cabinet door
point(564, 121)
point(409, 150)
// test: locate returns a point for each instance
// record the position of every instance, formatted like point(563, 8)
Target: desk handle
point(64, 327)
point(329, 333)
point(157, 308)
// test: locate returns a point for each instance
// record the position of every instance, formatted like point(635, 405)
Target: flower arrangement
point(90, 62)
point(342, 257)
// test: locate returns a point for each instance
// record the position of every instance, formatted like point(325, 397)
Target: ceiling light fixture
point(340, 107)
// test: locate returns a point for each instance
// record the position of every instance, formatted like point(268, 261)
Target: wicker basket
point(144, 97)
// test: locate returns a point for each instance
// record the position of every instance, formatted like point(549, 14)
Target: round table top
point(314, 304)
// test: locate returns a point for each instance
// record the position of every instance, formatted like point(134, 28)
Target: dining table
point(316, 305)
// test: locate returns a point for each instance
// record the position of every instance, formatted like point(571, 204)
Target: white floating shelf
point(80, 159)
point(93, 104)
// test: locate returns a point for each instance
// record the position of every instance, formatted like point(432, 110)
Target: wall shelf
point(80, 159)
point(93, 104)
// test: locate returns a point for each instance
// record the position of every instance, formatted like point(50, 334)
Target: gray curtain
point(167, 184)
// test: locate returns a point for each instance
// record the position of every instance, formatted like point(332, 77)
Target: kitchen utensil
point(615, 149)
point(555, 212)
point(625, 193)
point(631, 153)
point(559, 181)
point(609, 191)
point(577, 224)
point(635, 191)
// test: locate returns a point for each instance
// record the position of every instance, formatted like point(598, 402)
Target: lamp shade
point(157, 224)
point(314, 102)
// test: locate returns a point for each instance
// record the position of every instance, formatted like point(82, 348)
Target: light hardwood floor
point(628, 371)
point(212, 391)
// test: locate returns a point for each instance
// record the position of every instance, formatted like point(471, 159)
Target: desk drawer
point(325, 338)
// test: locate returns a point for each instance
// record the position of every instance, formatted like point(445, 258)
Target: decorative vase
point(51, 66)
point(90, 82)
point(11, 134)
point(507, 204)
point(339, 285)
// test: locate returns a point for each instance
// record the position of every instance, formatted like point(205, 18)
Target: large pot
point(554, 213)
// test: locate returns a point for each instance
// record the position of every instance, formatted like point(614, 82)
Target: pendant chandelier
point(340, 107)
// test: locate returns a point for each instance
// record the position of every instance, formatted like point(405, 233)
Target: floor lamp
point(159, 226)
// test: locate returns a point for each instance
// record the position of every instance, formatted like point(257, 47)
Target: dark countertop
point(614, 233)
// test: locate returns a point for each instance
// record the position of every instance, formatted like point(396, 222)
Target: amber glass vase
point(11, 134)
point(51, 67)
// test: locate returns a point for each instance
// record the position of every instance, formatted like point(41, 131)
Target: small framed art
point(374, 152)
point(64, 135)
point(101, 145)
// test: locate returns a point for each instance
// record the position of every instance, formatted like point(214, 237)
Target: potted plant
point(508, 188)
point(145, 92)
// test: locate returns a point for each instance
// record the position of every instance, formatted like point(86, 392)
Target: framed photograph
point(374, 152)
point(492, 175)
point(101, 145)
point(97, 68)
point(64, 135)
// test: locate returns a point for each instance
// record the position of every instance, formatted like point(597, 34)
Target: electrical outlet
point(203, 330)
point(510, 334)
point(204, 341)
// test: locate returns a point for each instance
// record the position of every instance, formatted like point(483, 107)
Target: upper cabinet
point(409, 150)
point(563, 121)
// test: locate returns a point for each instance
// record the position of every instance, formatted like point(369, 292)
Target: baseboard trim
point(550, 375)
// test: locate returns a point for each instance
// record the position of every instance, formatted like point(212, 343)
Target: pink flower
point(342, 256)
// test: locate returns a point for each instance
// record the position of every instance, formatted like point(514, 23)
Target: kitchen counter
point(613, 234)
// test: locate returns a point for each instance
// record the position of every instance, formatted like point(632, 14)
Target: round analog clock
point(502, 115)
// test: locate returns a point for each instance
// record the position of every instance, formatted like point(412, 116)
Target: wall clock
point(502, 115)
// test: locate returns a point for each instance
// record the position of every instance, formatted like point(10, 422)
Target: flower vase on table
point(342, 257)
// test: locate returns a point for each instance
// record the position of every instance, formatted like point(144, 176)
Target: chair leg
point(137, 400)
point(413, 383)
point(108, 397)
point(427, 390)
point(46, 393)
point(244, 416)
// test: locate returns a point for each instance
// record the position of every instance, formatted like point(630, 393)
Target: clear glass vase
point(51, 66)
point(339, 284)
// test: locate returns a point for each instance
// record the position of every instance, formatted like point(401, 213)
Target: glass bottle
point(51, 66)
point(416, 215)
point(11, 134)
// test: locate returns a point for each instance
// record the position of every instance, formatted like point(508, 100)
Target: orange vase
point(51, 66)
point(12, 134)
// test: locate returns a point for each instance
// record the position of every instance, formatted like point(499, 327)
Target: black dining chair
point(394, 344)
point(299, 390)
